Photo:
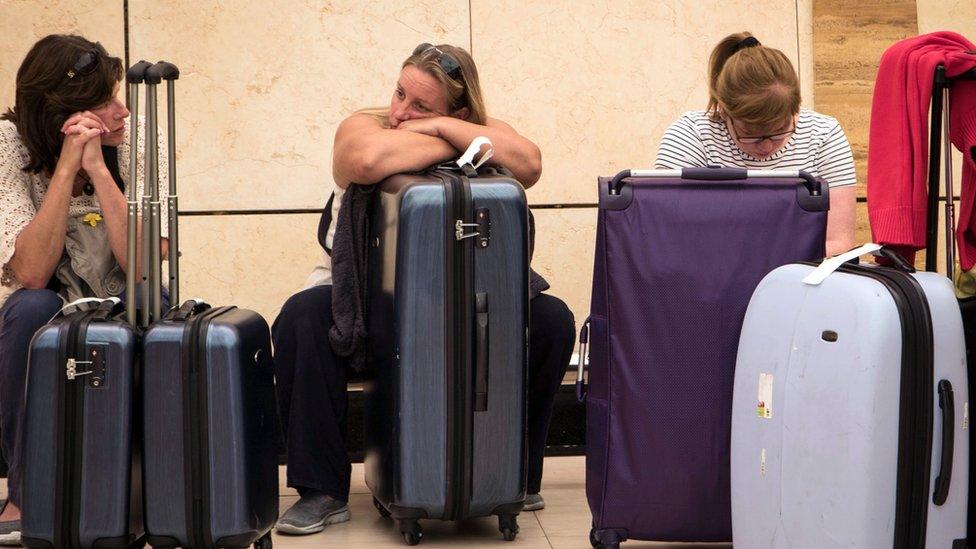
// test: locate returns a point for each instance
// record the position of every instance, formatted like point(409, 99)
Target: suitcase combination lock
point(95, 371)
point(482, 228)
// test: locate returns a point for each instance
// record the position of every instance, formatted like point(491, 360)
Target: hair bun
point(747, 42)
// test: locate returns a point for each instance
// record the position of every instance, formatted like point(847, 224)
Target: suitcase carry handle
point(189, 308)
point(831, 264)
point(718, 173)
point(481, 353)
point(947, 406)
point(113, 300)
point(584, 341)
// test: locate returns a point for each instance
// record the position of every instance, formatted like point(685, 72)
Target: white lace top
point(22, 193)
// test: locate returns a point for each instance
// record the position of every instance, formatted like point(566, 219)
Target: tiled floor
point(563, 524)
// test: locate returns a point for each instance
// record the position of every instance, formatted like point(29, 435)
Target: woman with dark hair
point(435, 112)
point(64, 163)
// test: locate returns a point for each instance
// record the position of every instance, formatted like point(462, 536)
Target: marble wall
point(264, 87)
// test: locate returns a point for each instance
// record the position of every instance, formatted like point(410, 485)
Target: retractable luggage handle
point(937, 138)
point(151, 238)
point(719, 173)
point(134, 76)
point(171, 73)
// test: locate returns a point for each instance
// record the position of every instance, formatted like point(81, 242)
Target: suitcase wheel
point(412, 534)
point(508, 526)
point(595, 543)
point(379, 507)
point(264, 542)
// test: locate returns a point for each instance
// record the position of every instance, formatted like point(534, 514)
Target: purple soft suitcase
point(678, 254)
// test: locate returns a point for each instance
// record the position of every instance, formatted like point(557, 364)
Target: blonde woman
point(753, 120)
point(435, 112)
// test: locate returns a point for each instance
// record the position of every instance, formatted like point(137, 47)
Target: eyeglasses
point(85, 65)
point(447, 62)
point(755, 139)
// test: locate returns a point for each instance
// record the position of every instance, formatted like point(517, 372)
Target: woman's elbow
point(533, 169)
point(363, 167)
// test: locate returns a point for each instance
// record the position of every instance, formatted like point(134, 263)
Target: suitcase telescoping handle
point(947, 406)
point(718, 173)
point(170, 73)
point(134, 76)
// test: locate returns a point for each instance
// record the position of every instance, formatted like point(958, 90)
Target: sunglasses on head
point(86, 64)
point(447, 62)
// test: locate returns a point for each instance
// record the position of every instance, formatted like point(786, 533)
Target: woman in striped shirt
point(754, 121)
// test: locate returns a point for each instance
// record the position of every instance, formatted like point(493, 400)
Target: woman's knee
point(30, 308)
point(551, 316)
point(312, 303)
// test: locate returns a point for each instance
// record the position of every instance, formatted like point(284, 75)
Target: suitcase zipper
point(916, 403)
point(71, 422)
point(460, 331)
point(196, 462)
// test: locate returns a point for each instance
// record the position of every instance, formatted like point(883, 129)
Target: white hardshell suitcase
point(850, 411)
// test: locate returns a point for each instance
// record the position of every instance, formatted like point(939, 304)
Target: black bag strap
point(324, 223)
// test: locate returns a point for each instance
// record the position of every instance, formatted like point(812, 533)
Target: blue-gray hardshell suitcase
point(850, 411)
point(81, 459)
point(447, 347)
point(210, 422)
point(211, 469)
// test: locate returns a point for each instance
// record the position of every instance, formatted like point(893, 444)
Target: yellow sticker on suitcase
point(764, 408)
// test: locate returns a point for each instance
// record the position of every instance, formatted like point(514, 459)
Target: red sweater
point(898, 146)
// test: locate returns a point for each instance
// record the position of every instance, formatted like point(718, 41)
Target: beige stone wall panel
point(849, 39)
point(596, 84)
point(252, 261)
point(24, 22)
point(952, 15)
point(564, 248)
point(265, 85)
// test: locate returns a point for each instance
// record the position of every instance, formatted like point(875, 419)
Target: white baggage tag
point(473, 149)
point(829, 265)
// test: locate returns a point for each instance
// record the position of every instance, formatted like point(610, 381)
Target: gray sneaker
point(534, 502)
point(10, 533)
point(9, 530)
point(311, 514)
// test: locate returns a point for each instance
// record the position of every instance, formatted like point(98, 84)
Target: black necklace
point(88, 188)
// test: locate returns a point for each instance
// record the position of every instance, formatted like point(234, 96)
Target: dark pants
point(312, 399)
point(24, 313)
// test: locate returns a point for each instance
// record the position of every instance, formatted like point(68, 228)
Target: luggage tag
point(828, 266)
point(473, 149)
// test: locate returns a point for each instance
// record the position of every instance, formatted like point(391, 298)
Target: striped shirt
point(818, 147)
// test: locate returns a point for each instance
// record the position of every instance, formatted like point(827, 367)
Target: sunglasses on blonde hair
point(447, 62)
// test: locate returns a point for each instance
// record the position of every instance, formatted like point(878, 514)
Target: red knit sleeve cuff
point(901, 226)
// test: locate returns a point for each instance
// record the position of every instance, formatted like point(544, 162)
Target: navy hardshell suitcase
point(81, 459)
point(211, 469)
point(210, 419)
point(448, 316)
